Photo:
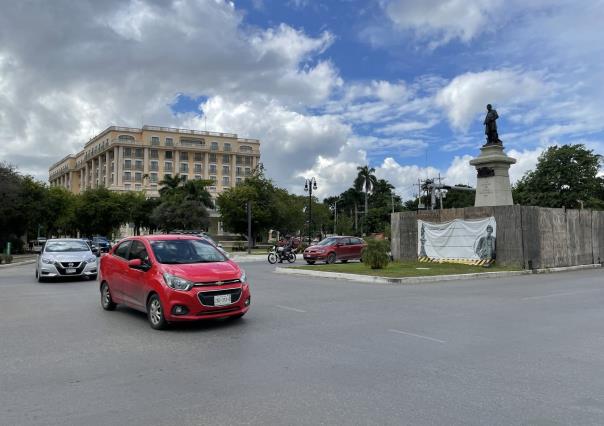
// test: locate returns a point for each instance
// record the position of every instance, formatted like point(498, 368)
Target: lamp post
point(309, 185)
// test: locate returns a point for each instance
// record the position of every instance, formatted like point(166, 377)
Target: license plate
point(70, 271)
point(223, 299)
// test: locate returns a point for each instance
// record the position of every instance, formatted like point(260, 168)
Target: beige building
point(131, 159)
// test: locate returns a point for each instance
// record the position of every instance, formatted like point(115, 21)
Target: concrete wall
point(544, 237)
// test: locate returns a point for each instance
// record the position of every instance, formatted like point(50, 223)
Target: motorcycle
point(279, 253)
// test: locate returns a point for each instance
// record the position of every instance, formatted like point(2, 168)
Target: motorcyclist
point(287, 248)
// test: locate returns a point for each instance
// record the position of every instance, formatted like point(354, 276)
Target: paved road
point(523, 350)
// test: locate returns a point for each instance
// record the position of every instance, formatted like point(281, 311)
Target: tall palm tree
point(169, 184)
point(365, 180)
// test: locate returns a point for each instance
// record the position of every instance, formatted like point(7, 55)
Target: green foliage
point(565, 176)
point(459, 199)
point(99, 211)
point(180, 214)
point(375, 255)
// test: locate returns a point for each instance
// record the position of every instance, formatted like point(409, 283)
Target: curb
point(249, 258)
point(431, 278)
point(25, 262)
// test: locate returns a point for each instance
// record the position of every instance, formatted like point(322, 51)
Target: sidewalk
point(20, 259)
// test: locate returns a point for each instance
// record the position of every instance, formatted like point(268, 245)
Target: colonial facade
point(131, 159)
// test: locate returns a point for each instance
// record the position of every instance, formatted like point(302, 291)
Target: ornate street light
point(309, 185)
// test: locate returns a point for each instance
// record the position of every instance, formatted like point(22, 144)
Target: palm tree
point(365, 180)
point(169, 184)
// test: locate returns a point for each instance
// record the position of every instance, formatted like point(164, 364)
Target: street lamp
point(309, 185)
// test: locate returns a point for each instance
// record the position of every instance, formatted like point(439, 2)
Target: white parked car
point(66, 257)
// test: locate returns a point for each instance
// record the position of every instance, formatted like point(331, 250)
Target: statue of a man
point(490, 126)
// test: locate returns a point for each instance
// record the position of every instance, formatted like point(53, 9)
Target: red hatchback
point(173, 278)
point(332, 249)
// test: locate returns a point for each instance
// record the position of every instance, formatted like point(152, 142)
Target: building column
point(107, 170)
point(118, 167)
point(146, 167)
point(86, 175)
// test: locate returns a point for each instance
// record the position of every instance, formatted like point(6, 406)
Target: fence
point(531, 237)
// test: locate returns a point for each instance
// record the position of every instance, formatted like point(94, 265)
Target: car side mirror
point(135, 264)
point(339, 244)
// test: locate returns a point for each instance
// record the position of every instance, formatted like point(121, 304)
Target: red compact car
point(332, 249)
point(173, 278)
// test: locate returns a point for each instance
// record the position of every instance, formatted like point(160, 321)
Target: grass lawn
point(406, 269)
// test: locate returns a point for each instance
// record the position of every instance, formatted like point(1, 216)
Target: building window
point(213, 179)
point(138, 165)
point(138, 177)
point(197, 143)
point(198, 156)
point(212, 168)
point(239, 160)
point(184, 167)
point(227, 147)
point(153, 177)
point(154, 141)
point(248, 171)
point(154, 166)
point(167, 166)
point(212, 189)
point(197, 168)
point(139, 153)
point(184, 156)
point(225, 170)
point(168, 155)
point(212, 158)
point(138, 187)
point(184, 178)
point(245, 148)
point(238, 171)
point(248, 161)
point(226, 158)
point(154, 153)
point(167, 175)
point(125, 138)
point(198, 177)
point(127, 164)
point(127, 152)
point(238, 180)
point(127, 187)
point(226, 181)
point(169, 142)
point(214, 146)
point(127, 176)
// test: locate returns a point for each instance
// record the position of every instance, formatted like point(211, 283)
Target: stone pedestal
point(493, 181)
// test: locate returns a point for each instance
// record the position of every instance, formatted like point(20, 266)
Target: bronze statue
point(490, 126)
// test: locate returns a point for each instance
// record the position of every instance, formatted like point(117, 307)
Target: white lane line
point(417, 335)
point(570, 293)
point(287, 308)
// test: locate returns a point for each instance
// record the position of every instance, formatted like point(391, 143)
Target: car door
point(116, 268)
point(356, 247)
point(135, 279)
point(343, 248)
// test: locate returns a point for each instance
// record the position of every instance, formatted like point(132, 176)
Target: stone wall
point(534, 237)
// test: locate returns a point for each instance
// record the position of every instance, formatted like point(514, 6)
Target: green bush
point(375, 255)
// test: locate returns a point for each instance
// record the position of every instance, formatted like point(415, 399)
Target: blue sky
point(326, 86)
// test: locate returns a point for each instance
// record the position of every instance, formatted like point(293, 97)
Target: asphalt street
point(518, 350)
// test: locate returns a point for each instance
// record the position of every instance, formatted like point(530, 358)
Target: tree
point(12, 221)
point(180, 214)
point(565, 176)
point(99, 211)
point(459, 198)
point(365, 180)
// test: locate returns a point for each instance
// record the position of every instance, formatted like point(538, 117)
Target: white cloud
point(467, 95)
point(444, 20)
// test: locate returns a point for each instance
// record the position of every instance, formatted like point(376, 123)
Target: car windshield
point(185, 251)
point(65, 246)
point(327, 242)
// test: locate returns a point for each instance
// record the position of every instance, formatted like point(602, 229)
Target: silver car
point(66, 257)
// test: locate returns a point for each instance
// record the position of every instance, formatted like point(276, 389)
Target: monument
point(492, 166)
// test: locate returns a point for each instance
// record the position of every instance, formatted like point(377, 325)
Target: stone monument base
point(493, 181)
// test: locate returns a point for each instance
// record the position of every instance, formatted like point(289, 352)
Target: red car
point(173, 278)
point(332, 249)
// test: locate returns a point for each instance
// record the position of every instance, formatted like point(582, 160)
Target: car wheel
point(310, 262)
point(272, 258)
point(39, 277)
point(155, 313)
point(331, 258)
point(106, 300)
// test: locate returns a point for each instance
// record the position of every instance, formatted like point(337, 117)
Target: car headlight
point(243, 277)
point(177, 283)
point(91, 259)
point(47, 260)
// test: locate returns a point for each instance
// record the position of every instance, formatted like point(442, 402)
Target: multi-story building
point(131, 159)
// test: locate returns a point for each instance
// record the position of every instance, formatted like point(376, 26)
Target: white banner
point(458, 239)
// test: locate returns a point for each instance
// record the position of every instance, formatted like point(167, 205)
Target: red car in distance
point(332, 249)
point(173, 278)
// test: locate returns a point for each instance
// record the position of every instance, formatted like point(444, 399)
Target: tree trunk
point(355, 217)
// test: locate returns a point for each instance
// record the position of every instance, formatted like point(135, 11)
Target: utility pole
point(309, 185)
point(249, 227)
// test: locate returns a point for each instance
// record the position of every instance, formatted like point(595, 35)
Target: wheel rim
point(331, 258)
point(155, 311)
point(106, 296)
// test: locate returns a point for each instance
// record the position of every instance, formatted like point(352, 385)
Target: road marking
point(417, 335)
point(570, 293)
point(287, 308)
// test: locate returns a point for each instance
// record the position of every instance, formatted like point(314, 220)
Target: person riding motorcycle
point(286, 248)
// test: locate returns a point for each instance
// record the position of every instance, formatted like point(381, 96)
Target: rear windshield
point(185, 251)
point(65, 246)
